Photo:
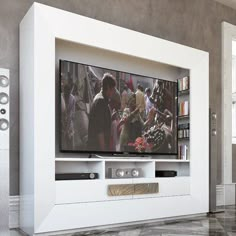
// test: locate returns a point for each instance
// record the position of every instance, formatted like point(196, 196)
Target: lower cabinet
point(76, 191)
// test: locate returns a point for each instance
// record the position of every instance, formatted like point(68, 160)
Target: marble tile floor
point(220, 224)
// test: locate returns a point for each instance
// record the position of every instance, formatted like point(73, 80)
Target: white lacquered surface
point(40, 213)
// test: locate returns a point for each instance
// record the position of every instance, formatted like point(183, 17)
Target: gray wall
point(234, 164)
point(195, 23)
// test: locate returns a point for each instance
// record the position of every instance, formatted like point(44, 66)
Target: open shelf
point(171, 160)
point(76, 159)
point(183, 117)
point(182, 167)
point(183, 139)
point(183, 92)
point(80, 166)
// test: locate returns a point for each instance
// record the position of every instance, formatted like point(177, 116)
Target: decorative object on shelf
point(183, 84)
point(183, 108)
point(184, 131)
point(183, 152)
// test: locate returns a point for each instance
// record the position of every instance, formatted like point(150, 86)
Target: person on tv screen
point(99, 131)
point(140, 100)
point(149, 104)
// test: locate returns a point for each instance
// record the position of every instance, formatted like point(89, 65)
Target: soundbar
point(76, 176)
point(166, 173)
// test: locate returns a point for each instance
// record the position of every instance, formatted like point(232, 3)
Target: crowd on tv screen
point(110, 111)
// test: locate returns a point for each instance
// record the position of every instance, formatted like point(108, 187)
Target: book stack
point(183, 108)
point(183, 83)
point(183, 130)
point(183, 152)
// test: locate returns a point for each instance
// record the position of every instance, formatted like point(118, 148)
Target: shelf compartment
point(182, 167)
point(80, 166)
point(147, 167)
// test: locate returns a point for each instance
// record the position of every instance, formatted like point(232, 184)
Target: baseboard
point(225, 199)
point(229, 194)
point(14, 210)
point(220, 201)
point(220, 193)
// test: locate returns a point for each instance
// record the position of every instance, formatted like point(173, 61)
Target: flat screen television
point(115, 112)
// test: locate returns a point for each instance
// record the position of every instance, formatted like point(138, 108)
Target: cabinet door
point(73, 191)
point(167, 187)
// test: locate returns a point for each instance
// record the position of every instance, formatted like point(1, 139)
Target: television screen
point(108, 111)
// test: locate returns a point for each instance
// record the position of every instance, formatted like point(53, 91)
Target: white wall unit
point(46, 203)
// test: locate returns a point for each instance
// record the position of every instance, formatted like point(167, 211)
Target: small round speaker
point(4, 124)
point(120, 173)
point(92, 176)
point(3, 111)
point(135, 173)
point(4, 98)
point(4, 81)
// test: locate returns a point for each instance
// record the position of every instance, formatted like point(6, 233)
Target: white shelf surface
point(74, 159)
point(171, 160)
point(117, 160)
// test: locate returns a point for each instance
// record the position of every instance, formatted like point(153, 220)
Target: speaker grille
point(4, 124)
point(4, 81)
point(4, 98)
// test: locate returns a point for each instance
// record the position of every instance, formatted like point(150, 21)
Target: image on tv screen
point(108, 111)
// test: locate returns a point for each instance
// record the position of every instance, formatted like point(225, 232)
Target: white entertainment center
point(49, 206)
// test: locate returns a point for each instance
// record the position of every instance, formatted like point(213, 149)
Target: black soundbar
point(166, 173)
point(76, 176)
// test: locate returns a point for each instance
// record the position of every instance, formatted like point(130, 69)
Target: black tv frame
point(109, 153)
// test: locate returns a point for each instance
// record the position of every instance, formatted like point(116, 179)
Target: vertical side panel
point(4, 191)
point(44, 112)
point(27, 139)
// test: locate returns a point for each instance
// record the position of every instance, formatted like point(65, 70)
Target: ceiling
point(230, 3)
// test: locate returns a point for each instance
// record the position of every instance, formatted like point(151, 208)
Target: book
point(183, 83)
point(183, 152)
